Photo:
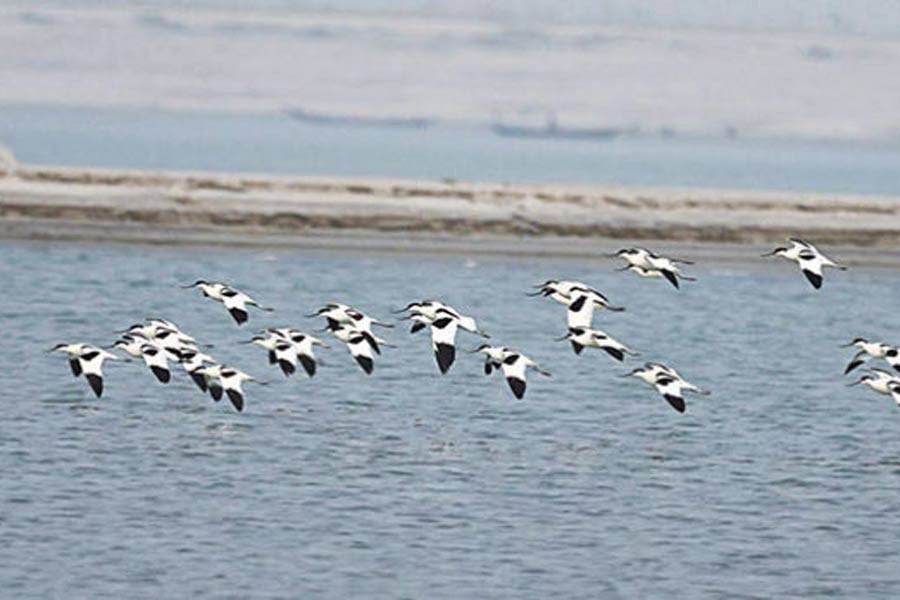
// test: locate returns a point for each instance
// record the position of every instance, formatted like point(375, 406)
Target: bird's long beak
point(854, 383)
point(846, 345)
point(186, 287)
point(475, 351)
point(246, 342)
point(315, 314)
point(611, 255)
point(768, 254)
point(625, 268)
point(484, 334)
point(627, 375)
point(561, 339)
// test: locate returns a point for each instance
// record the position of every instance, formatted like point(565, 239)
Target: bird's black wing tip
point(677, 402)
point(445, 354)
point(96, 383)
point(814, 279)
point(517, 386)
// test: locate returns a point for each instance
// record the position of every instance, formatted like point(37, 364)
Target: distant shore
point(174, 207)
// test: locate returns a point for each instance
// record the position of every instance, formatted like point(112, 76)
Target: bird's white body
point(879, 381)
point(867, 350)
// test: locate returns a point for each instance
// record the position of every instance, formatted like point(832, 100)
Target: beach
point(170, 207)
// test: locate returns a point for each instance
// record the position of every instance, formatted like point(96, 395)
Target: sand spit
point(94, 204)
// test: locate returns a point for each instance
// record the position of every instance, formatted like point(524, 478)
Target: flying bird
point(232, 298)
point(513, 364)
point(866, 351)
point(87, 360)
point(585, 337)
point(668, 383)
point(649, 264)
point(811, 261)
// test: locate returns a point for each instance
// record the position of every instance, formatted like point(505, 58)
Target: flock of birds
point(160, 343)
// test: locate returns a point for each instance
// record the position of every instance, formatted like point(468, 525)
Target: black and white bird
point(878, 380)
point(811, 260)
point(429, 309)
point(513, 364)
point(668, 383)
point(336, 314)
point(444, 322)
point(361, 345)
point(194, 360)
point(303, 346)
point(232, 298)
point(866, 351)
point(651, 265)
point(443, 336)
point(220, 379)
point(150, 352)
point(565, 292)
point(585, 337)
point(87, 360)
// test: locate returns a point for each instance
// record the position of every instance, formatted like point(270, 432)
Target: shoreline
point(50, 203)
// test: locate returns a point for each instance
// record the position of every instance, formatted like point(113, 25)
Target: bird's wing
point(91, 363)
point(443, 341)
point(895, 392)
point(671, 390)
point(798, 243)
point(361, 349)
point(513, 367)
point(155, 359)
point(811, 264)
point(580, 312)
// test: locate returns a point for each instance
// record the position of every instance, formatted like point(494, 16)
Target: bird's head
point(858, 341)
point(863, 379)
point(408, 307)
point(779, 251)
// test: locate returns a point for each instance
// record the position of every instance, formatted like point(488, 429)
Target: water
point(270, 143)
point(784, 483)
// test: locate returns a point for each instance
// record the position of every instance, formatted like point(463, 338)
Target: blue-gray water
point(784, 483)
point(270, 143)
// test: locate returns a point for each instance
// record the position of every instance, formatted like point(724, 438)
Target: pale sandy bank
point(81, 204)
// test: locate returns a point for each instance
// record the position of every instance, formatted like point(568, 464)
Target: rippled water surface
point(784, 483)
